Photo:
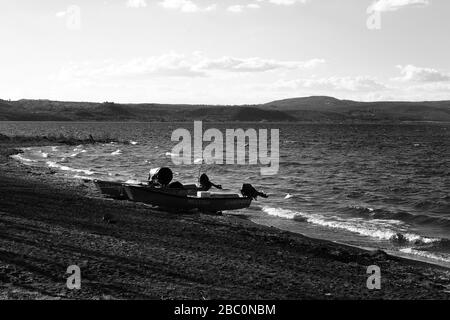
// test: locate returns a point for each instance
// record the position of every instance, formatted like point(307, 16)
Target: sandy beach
point(48, 223)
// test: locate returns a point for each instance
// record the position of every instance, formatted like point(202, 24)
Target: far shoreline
point(237, 121)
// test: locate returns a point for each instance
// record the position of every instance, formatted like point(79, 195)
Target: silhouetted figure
point(206, 184)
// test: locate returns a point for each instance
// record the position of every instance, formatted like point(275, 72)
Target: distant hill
point(316, 103)
point(345, 110)
point(311, 109)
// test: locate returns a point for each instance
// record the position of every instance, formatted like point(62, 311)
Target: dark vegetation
point(309, 109)
point(61, 139)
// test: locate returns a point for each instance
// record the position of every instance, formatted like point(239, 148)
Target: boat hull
point(111, 189)
point(179, 199)
point(219, 204)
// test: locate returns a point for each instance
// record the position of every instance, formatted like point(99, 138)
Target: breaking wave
point(52, 164)
point(381, 229)
point(425, 254)
point(117, 152)
point(377, 213)
point(22, 159)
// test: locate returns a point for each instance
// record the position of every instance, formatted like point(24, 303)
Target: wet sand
point(48, 223)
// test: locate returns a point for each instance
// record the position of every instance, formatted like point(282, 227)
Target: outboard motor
point(163, 176)
point(206, 184)
point(249, 191)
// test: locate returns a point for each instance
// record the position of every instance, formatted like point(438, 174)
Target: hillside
point(310, 109)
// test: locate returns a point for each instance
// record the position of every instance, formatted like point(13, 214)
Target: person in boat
point(206, 184)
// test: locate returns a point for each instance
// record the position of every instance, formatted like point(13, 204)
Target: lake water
point(378, 186)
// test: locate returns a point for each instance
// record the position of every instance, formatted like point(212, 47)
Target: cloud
point(179, 65)
point(193, 6)
point(61, 14)
point(168, 65)
point(136, 3)
point(285, 2)
point(255, 64)
point(332, 84)
point(394, 5)
point(412, 73)
point(237, 8)
point(186, 6)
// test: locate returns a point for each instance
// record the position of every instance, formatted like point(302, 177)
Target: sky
point(224, 51)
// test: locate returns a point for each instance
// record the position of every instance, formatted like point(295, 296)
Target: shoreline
point(50, 222)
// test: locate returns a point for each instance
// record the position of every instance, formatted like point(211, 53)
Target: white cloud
point(253, 6)
point(412, 73)
point(286, 2)
point(186, 6)
point(168, 65)
point(237, 8)
point(61, 14)
point(193, 6)
point(254, 64)
point(359, 84)
point(179, 65)
point(136, 3)
point(394, 5)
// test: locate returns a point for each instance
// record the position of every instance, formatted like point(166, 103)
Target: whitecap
point(117, 152)
point(53, 164)
point(43, 154)
point(425, 254)
point(170, 154)
point(115, 174)
point(279, 212)
point(22, 159)
point(73, 155)
point(82, 177)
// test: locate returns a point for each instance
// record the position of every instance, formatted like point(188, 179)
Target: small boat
point(112, 189)
point(159, 192)
point(181, 199)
